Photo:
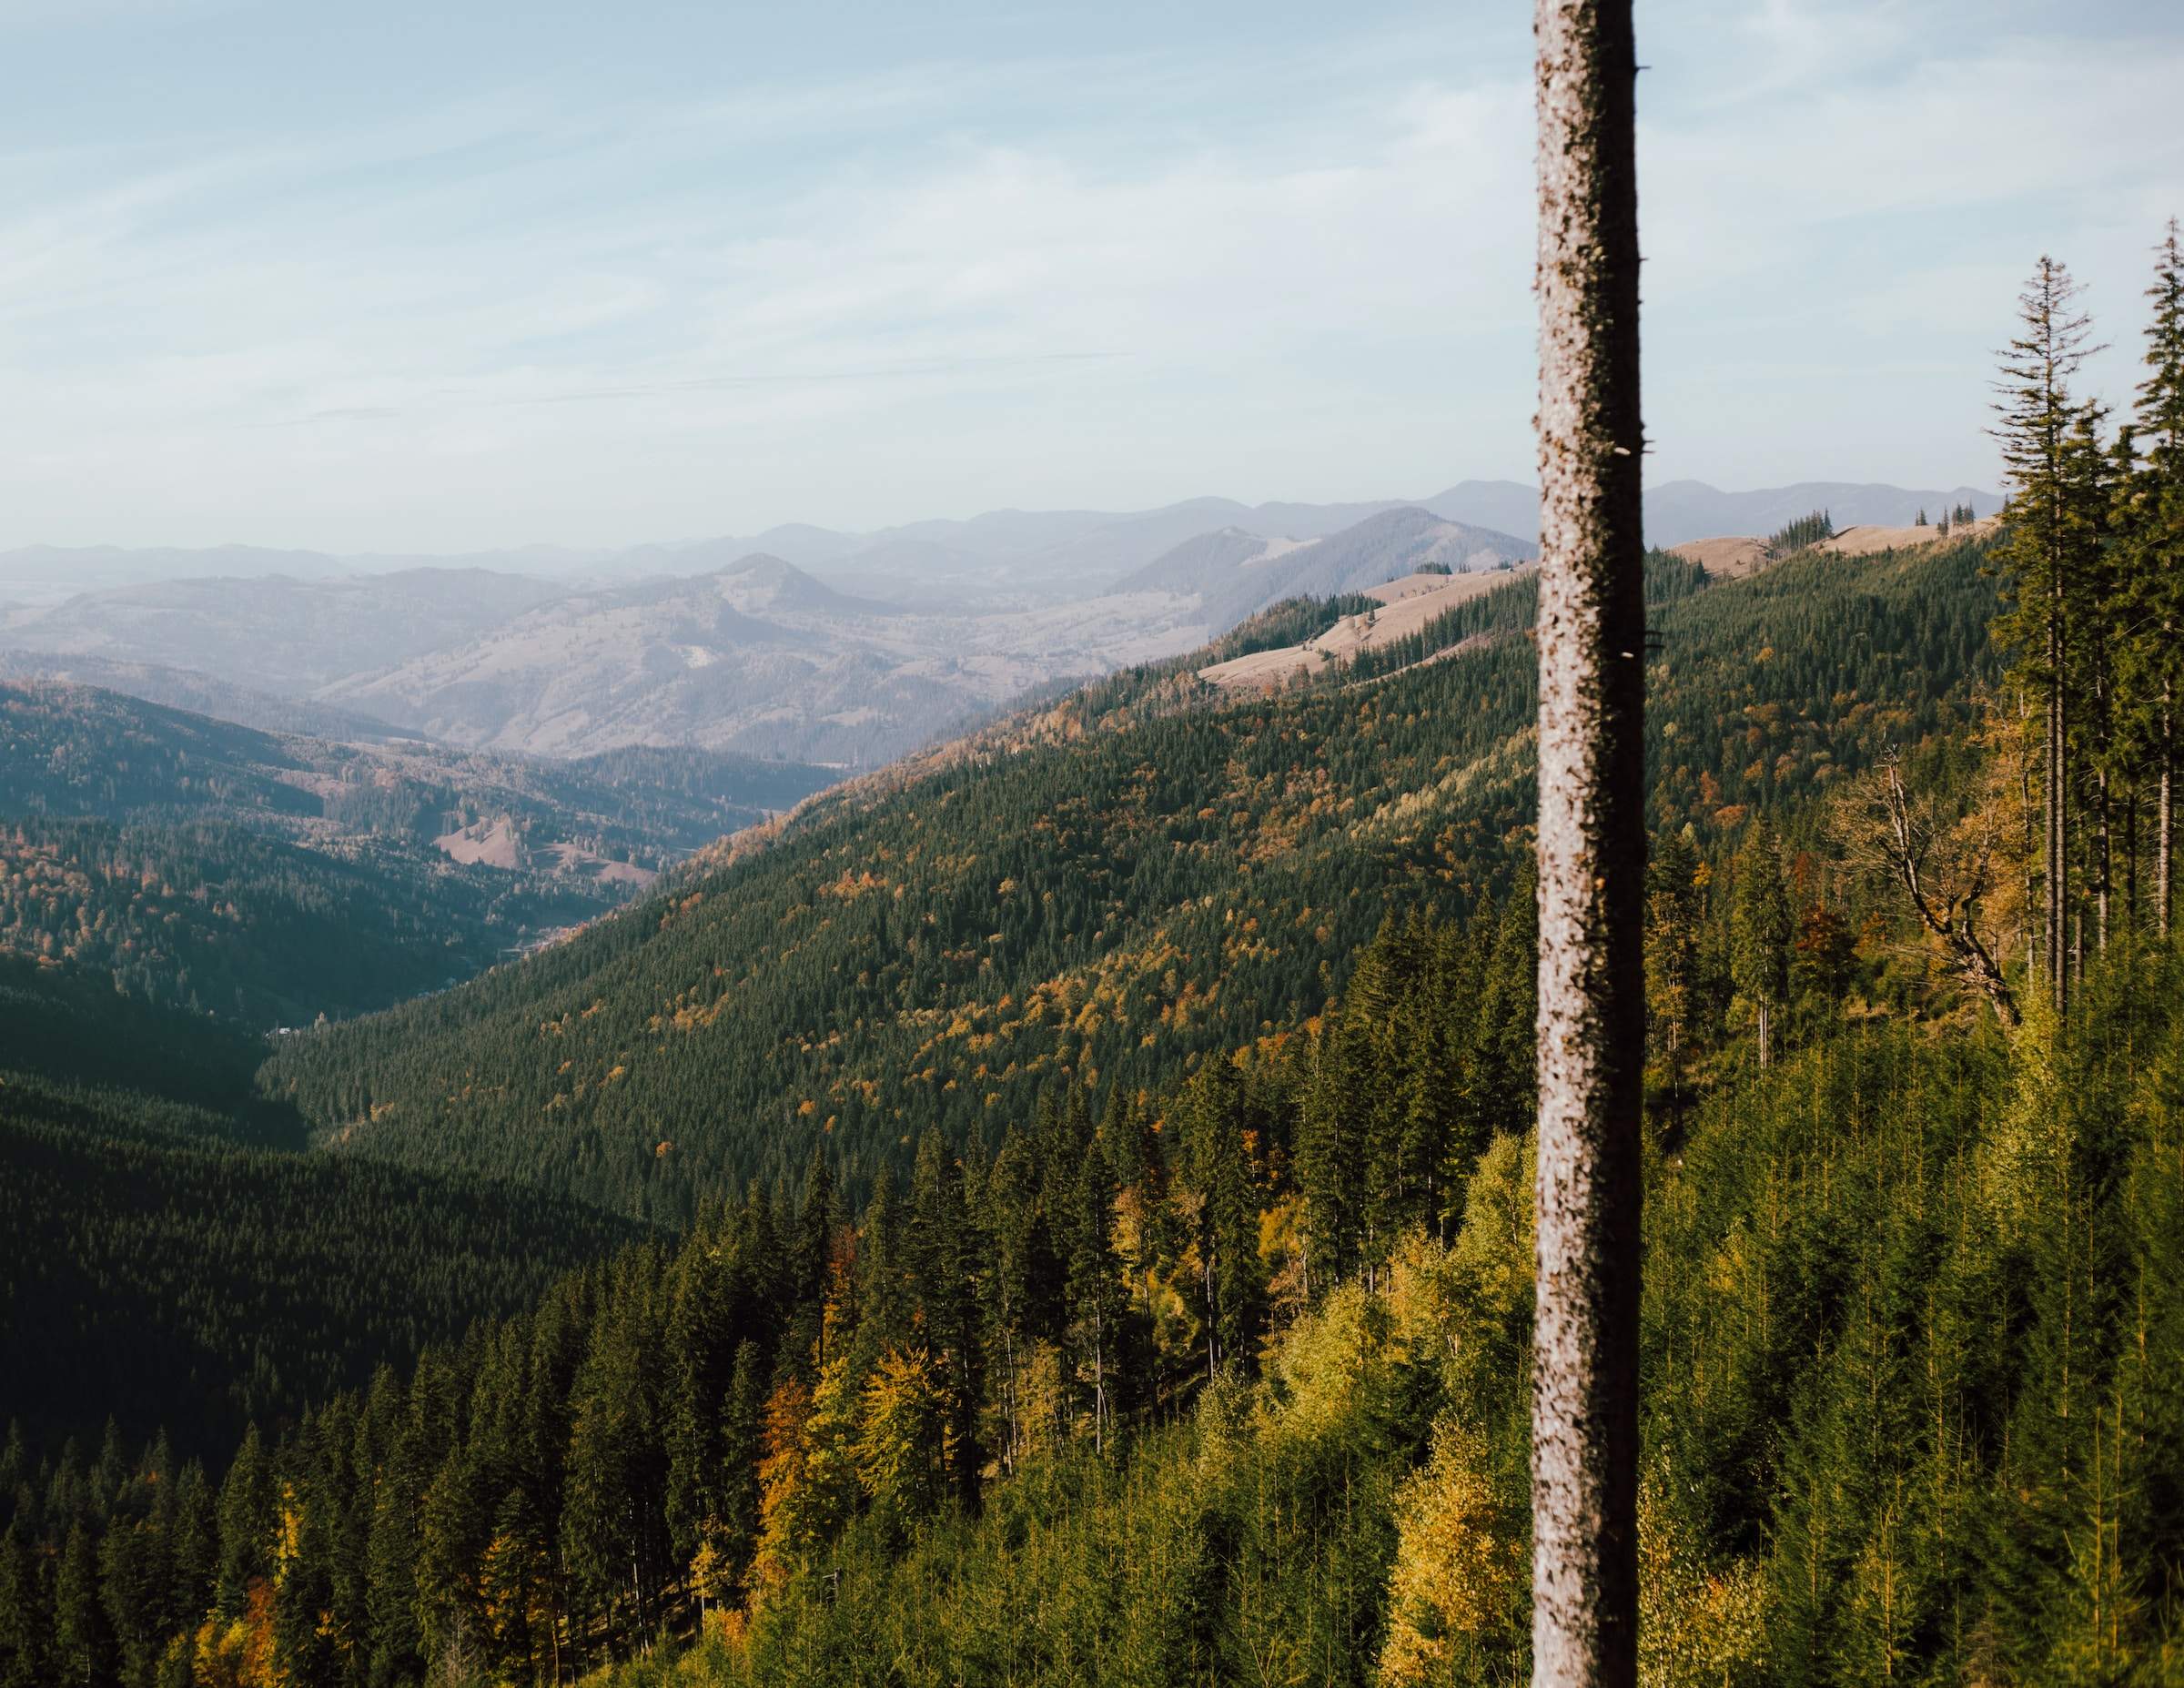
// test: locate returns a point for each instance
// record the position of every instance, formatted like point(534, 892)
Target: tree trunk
point(1763, 1018)
point(2057, 796)
point(1592, 853)
point(2168, 809)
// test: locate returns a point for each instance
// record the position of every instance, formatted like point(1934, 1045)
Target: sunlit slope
point(1113, 886)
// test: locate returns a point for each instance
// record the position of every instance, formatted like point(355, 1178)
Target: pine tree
point(613, 1523)
point(1329, 1159)
point(394, 1642)
point(1503, 1058)
point(942, 1262)
point(1013, 1227)
point(26, 1627)
point(1230, 1288)
point(194, 1546)
point(702, 1353)
point(743, 1446)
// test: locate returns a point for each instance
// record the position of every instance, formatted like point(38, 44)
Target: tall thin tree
point(2045, 550)
point(1591, 850)
point(2158, 563)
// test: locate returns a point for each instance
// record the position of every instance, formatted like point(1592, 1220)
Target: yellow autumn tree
point(1456, 1593)
point(808, 1486)
point(903, 1450)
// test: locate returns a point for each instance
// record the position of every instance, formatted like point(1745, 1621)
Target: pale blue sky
point(443, 276)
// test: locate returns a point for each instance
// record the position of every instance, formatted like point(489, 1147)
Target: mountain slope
point(932, 945)
point(199, 694)
point(1679, 511)
point(274, 877)
point(167, 1255)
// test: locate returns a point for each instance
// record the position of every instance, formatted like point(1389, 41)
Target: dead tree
point(1904, 838)
point(1592, 853)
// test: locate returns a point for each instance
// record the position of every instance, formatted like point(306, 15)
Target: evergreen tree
point(1760, 932)
point(83, 1642)
point(27, 1626)
point(743, 1428)
point(1096, 1303)
point(2155, 543)
point(943, 1263)
point(2049, 552)
point(246, 1525)
point(1230, 1288)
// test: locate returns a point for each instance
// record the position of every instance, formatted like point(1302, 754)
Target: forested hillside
point(1109, 890)
point(1184, 1385)
point(169, 1258)
point(272, 878)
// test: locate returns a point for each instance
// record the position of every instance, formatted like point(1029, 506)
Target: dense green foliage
point(1129, 1402)
point(167, 1256)
point(1806, 531)
point(1108, 889)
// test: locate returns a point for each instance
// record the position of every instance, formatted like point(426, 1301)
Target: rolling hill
point(756, 656)
point(275, 633)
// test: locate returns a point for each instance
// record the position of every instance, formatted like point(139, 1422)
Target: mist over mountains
point(800, 641)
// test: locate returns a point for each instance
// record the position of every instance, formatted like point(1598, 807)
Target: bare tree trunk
point(1950, 914)
point(2130, 857)
point(2167, 810)
point(2058, 799)
point(1592, 853)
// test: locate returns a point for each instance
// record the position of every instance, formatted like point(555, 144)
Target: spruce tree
point(943, 1263)
point(26, 1627)
point(245, 1524)
point(1096, 1304)
point(743, 1446)
point(83, 1643)
point(1760, 931)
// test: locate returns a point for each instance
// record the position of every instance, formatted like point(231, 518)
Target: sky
point(391, 276)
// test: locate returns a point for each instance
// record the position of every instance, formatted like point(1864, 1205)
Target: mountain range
point(800, 642)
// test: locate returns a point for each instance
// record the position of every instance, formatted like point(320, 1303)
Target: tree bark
point(2167, 810)
point(2059, 839)
point(1592, 853)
